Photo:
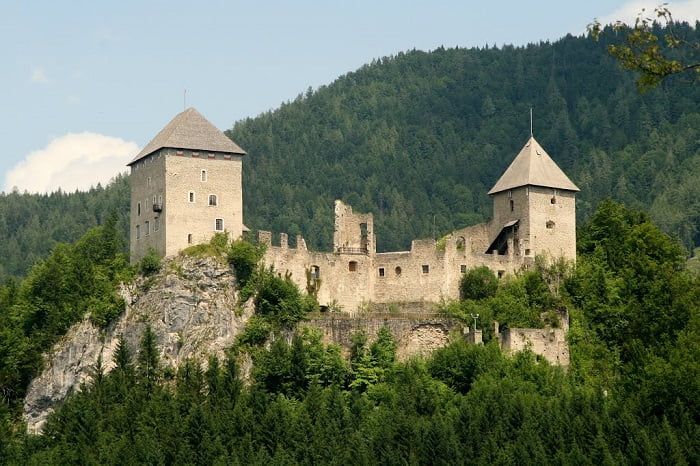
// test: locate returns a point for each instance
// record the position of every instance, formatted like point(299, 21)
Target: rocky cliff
point(190, 305)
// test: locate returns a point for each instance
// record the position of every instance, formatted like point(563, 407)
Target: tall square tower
point(186, 185)
point(534, 207)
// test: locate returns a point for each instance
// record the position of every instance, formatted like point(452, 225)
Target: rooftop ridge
point(533, 167)
point(190, 130)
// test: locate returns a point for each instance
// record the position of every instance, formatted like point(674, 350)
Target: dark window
point(315, 272)
point(352, 266)
point(138, 231)
point(501, 273)
point(138, 209)
point(191, 196)
point(550, 224)
point(219, 224)
point(381, 271)
point(397, 270)
point(426, 269)
point(212, 199)
point(463, 268)
point(189, 238)
point(512, 205)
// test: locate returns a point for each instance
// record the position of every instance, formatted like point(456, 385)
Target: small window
point(138, 231)
point(204, 175)
point(352, 266)
point(212, 200)
point(189, 238)
point(315, 272)
point(160, 200)
point(550, 224)
point(381, 271)
point(148, 181)
point(156, 224)
point(501, 273)
point(147, 228)
point(397, 270)
point(463, 268)
point(219, 224)
point(527, 252)
point(512, 205)
point(553, 200)
point(138, 208)
point(426, 269)
point(154, 199)
point(191, 196)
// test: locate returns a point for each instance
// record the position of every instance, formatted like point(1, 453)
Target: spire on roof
point(190, 130)
point(533, 167)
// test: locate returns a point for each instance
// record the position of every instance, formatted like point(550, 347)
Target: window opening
point(550, 224)
point(315, 272)
point(397, 270)
point(212, 200)
point(156, 224)
point(352, 266)
point(381, 271)
point(191, 196)
point(219, 224)
point(138, 208)
point(138, 231)
point(147, 228)
point(501, 273)
point(512, 205)
point(426, 269)
point(189, 238)
point(463, 268)
point(204, 175)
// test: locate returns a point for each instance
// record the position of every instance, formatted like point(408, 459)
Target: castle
point(186, 185)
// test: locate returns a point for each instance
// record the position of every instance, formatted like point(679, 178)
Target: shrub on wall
point(478, 283)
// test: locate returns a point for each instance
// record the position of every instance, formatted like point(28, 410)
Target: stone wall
point(415, 334)
point(168, 177)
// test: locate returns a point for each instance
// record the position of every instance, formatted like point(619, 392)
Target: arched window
point(397, 270)
point(212, 199)
point(550, 224)
point(204, 175)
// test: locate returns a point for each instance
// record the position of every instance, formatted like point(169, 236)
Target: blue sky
point(88, 83)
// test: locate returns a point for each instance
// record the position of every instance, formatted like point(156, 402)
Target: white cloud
point(38, 77)
point(684, 10)
point(74, 161)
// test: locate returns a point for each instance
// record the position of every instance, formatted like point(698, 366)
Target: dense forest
point(630, 395)
point(419, 138)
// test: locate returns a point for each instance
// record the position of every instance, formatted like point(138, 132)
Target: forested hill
point(420, 137)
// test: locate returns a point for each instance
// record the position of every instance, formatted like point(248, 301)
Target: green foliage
point(244, 257)
point(478, 283)
point(643, 51)
point(216, 247)
point(151, 263)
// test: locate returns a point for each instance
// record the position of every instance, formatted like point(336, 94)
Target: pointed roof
point(534, 167)
point(190, 130)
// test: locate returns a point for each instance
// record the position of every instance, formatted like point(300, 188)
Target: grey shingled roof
point(190, 130)
point(534, 167)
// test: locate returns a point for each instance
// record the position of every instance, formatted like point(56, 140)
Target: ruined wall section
point(415, 334)
point(550, 343)
point(344, 278)
point(353, 232)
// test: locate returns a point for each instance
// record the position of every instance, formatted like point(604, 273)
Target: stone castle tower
point(186, 185)
point(534, 210)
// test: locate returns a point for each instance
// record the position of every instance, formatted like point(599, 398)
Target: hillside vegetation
point(419, 138)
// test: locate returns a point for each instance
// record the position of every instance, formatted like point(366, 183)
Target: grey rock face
point(191, 307)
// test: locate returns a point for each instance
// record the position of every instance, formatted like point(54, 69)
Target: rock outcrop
point(190, 306)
